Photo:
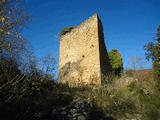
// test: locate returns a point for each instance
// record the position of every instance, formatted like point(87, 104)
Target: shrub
point(129, 72)
point(107, 100)
point(66, 30)
point(149, 106)
point(131, 86)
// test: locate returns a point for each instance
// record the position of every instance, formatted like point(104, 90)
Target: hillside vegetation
point(28, 90)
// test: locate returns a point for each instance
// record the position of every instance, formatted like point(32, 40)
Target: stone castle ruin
point(83, 55)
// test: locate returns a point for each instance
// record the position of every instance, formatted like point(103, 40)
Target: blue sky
point(127, 24)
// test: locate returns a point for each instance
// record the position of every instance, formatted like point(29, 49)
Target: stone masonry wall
point(82, 53)
point(105, 65)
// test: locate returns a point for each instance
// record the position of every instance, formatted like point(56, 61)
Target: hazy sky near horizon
point(128, 24)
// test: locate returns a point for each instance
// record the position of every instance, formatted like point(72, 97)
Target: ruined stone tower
point(83, 55)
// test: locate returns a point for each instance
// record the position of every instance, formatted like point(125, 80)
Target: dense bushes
point(25, 97)
point(137, 100)
point(33, 96)
point(156, 72)
point(150, 106)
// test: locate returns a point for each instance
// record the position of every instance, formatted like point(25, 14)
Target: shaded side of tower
point(105, 66)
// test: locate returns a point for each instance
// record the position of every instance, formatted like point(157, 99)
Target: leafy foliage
point(153, 49)
point(116, 61)
point(153, 53)
point(150, 106)
point(26, 96)
point(66, 30)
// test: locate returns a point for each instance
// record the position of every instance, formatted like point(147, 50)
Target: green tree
point(153, 53)
point(116, 61)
